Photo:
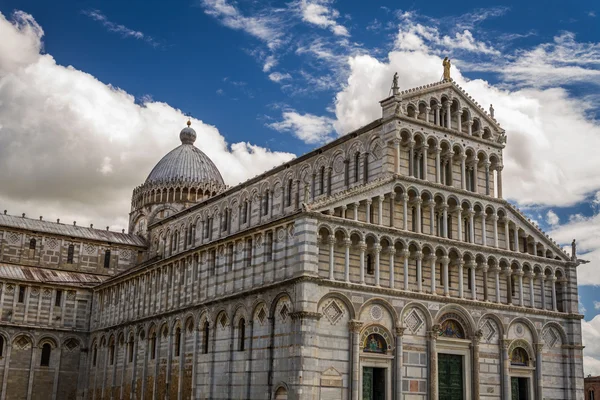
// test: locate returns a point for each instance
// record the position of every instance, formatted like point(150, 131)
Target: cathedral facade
point(383, 265)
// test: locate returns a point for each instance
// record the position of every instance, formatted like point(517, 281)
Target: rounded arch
point(528, 323)
point(281, 296)
point(381, 302)
point(341, 297)
point(464, 317)
point(494, 317)
point(239, 311)
point(281, 391)
point(558, 327)
point(413, 304)
point(51, 339)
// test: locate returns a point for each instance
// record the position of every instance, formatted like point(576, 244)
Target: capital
point(405, 253)
point(400, 331)
point(331, 240)
point(362, 246)
point(445, 260)
point(347, 242)
point(377, 248)
point(355, 326)
point(418, 255)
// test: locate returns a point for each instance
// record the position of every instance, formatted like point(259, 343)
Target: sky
point(94, 93)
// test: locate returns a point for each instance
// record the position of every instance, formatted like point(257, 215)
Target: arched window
point(46, 351)
point(414, 218)
point(322, 181)
point(153, 346)
point(245, 212)
point(206, 334)
point(519, 357)
point(95, 355)
point(1, 346)
point(288, 199)
point(591, 395)
point(177, 342)
point(70, 252)
point(370, 269)
point(242, 334)
point(452, 329)
point(111, 353)
point(130, 349)
point(356, 166)
point(32, 243)
point(266, 203)
point(107, 259)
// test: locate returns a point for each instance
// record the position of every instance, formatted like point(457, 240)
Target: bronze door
point(450, 379)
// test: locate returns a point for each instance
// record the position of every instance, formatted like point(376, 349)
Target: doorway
point(450, 376)
point(519, 388)
point(373, 383)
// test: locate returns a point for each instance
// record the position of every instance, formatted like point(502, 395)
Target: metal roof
point(70, 230)
point(49, 276)
point(186, 163)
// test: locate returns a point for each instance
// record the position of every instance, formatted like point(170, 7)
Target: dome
point(186, 163)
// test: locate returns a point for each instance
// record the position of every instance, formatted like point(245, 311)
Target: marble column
point(397, 146)
point(405, 256)
point(445, 261)
point(433, 362)
point(362, 246)
point(405, 211)
point(380, 210)
point(418, 205)
point(539, 371)
point(432, 259)
point(438, 166)
point(355, 327)
point(520, 275)
point(463, 174)
point(419, 258)
point(398, 365)
point(472, 226)
point(470, 127)
point(507, 234)
point(445, 220)
point(484, 270)
point(460, 279)
point(392, 266)
point(347, 244)
point(476, 366)
point(356, 205)
point(553, 280)
point(505, 370)
point(459, 120)
point(459, 223)
point(377, 251)
point(472, 267)
point(368, 210)
point(530, 277)
point(499, 183)
point(431, 206)
point(392, 209)
point(425, 147)
point(448, 117)
point(497, 279)
point(483, 229)
point(543, 284)
point(411, 158)
point(331, 257)
point(494, 218)
point(486, 165)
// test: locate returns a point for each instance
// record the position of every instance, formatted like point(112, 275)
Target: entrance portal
point(373, 383)
point(450, 377)
point(519, 388)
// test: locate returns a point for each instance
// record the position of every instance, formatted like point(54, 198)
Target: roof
point(185, 163)
point(82, 232)
point(49, 276)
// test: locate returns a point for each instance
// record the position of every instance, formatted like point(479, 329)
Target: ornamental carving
point(551, 337)
point(14, 238)
point(90, 249)
point(414, 321)
point(333, 311)
point(376, 313)
point(51, 243)
point(376, 339)
point(125, 254)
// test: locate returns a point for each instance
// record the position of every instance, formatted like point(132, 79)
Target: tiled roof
point(49, 276)
point(70, 230)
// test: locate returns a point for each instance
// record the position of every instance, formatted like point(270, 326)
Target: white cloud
point(122, 30)
point(309, 128)
point(552, 218)
point(72, 147)
point(590, 331)
point(266, 26)
point(596, 305)
point(270, 62)
point(278, 76)
point(319, 13)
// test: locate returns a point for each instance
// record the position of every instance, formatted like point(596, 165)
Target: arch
point(529, 324)
point(494, 317)
point(51, 339)
point(341, 297)
point(457, 312)
point(281, 296)
point(558, 327)
point(413, 304)
point(281, 391)
point(376, 338)
point(382, 302)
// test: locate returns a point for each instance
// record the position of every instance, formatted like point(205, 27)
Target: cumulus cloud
point(319, 13)
point(311, 129)
point(552, 218)
point(596, 305)
point(72, 147)
point(590, 331)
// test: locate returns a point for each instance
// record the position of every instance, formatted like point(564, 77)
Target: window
point(591, 395)
point(322, 181)
point(46, 350)
point(225, 220)
point(242, 334)
point(130, 349)
point(206, 333)
point(512, 285)
point(22, 294)
point(111, 354)
point(248, 252)
point(266, 203)
point(153, 346)
point(366, 168)
point(269, 246)
point(288, 199)
point(230, 251)
point(95, 355)
point(449, 226)
point(245, 212)
point(70, 252)
point(1, 346)
point(58, 298)
point(212, 260)
point(177, 342)
point(107, 259)
point(32, 243)
point(370, 269)
point(469, 280)
point(414, 219)
point(356, 166)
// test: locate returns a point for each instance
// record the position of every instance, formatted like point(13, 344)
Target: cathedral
point(384, 265)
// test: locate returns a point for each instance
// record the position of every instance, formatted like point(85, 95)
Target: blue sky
point(265, 81)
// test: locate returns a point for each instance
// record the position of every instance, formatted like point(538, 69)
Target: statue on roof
point(395, 88)
point(573, 250)
point(492, 110)
point(447, 64)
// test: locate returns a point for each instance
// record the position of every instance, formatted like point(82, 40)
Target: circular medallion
point(376, 313)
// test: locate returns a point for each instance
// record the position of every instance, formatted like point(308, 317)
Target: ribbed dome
point(185, 163)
